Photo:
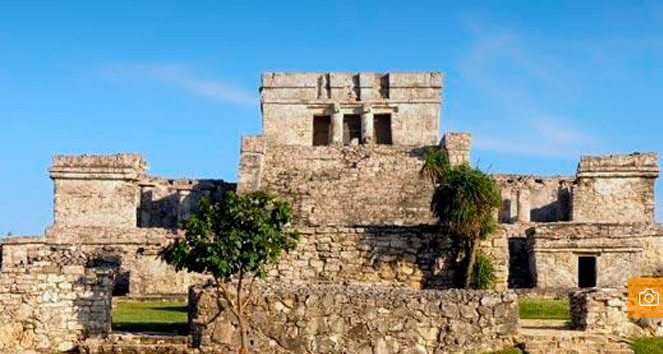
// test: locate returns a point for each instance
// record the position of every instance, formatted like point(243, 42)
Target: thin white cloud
point(182, 77)
point(512, 78)
point(545, 139)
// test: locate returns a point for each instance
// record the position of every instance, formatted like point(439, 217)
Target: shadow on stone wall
point(410, 254)
point(519, 273)
point(559, 210)
point(170, 202)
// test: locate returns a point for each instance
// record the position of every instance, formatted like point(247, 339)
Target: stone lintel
point(128, 167)
point(625, 165)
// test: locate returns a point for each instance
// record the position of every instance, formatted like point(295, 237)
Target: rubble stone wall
point(140, 272)
point(55, 300)
point(416, 257)
point(344, 186)
point(604, 310)
point(359, 319)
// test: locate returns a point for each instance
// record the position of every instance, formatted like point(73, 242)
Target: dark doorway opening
point(587, 271)
point(321, 128)
point(351, 128)
point(382, 128)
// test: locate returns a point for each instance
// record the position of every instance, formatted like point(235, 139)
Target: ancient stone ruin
point(372, 274)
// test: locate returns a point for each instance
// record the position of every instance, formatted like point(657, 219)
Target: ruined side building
point(345, 150)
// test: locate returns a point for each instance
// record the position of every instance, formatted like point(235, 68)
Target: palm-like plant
point(465, 199)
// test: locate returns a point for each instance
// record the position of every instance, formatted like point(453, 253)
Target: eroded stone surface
point(362, 319)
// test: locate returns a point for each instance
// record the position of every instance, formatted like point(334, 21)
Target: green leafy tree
point(233, 240)
point(464, 200)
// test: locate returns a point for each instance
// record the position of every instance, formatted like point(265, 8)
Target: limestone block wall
point(96, 190)
point(289, 101)
point(54, 301)
point(457, 146)
point(622, 250)
point(348, 186)
point(359, 319)
point(615, 188)
point(416, 257)
point(364, 212)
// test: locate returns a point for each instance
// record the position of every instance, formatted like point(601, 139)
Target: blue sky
point(536, 83)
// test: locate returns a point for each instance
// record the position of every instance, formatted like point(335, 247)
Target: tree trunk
point(471, 258)
point(244, 346)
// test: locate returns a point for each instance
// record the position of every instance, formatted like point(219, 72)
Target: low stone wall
point(54, 301)
point(357, 319)
point(604, 311)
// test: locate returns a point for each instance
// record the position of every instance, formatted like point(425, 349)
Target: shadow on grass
point(170, 328)
point(183, 309)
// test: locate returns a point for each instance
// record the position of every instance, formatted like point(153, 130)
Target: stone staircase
point(554, 337)
point(139, 343)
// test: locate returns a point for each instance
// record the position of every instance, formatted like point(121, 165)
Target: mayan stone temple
point(372, 274)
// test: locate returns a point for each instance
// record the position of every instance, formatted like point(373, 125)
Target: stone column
point(367, 124)
point(184, 208)
point(524, 205)
point(336, 125)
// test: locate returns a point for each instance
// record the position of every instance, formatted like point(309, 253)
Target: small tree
point(464, 200)
point(233, 240)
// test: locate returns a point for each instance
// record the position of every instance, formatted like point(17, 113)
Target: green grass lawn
point(648, 345)
point(544, 309)
point(154, 316)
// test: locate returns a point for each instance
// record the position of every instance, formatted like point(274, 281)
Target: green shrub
point(483, 276)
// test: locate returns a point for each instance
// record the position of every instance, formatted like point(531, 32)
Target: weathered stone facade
point(622, 250)
point(289, 101)
point(56, 298)
point(615, 188)
point(359, 319)
point(345, 150)
point(416, 257)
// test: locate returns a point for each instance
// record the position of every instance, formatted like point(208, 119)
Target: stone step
point(554, 337)
point(138, 349)
point(146, 338)
point(138, 343)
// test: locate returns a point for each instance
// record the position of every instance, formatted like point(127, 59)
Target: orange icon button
point(643, 297)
